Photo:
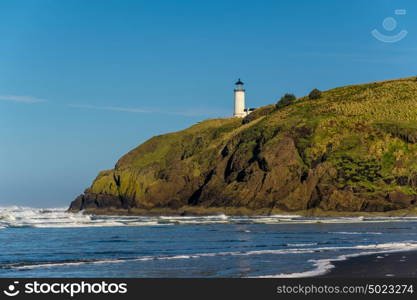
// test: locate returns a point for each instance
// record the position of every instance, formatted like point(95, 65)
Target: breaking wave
point(323, 266)
point(320, 266)
point(16, 216)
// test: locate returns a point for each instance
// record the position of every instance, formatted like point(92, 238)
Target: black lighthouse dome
point(239, 82)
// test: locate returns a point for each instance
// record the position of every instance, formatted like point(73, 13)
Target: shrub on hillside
point(314, 94)
point(285, 100)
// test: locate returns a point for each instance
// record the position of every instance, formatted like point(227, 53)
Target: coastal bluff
point(353, 149)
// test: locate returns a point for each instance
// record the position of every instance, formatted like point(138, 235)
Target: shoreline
point(241, 211)
point(402, 264)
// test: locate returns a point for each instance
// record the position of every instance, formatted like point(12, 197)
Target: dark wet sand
point(383, 265)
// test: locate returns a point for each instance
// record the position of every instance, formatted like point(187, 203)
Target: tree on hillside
point(285, 100)
point(314, 94)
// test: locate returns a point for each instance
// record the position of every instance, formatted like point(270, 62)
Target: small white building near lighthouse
point(240, 110)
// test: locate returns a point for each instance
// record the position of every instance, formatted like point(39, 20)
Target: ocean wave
point(354, 232)
point(300, 244)
point(320, 266)
point(63, 264)
point(21, 217)
point(323, 266)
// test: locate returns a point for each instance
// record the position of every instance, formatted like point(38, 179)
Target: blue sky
point(83, 82)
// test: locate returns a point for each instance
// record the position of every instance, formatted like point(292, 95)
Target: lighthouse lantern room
point(240, 110)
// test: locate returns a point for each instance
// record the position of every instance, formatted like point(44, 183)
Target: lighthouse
point(239, 100)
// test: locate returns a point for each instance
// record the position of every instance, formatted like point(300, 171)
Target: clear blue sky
point(83, 82)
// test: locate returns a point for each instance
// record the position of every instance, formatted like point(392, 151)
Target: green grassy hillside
point(353, 149)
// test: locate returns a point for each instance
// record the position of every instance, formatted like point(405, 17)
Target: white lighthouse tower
point(240, 111)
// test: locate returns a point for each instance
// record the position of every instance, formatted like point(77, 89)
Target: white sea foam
point(67, 264)
point(353, 232)
point(320, 266)
point(323, 266)
point(15, 216)
point(147, 258)
point(301, 244)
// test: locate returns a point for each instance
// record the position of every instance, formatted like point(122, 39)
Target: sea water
point(55, 243)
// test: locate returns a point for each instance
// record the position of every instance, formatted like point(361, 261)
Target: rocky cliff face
point(354, 149)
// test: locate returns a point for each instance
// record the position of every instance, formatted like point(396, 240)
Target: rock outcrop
point(351, 150)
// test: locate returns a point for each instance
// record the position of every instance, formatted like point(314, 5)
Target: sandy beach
point(382, 265)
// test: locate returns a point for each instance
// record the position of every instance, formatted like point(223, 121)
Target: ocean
point(53, 243)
